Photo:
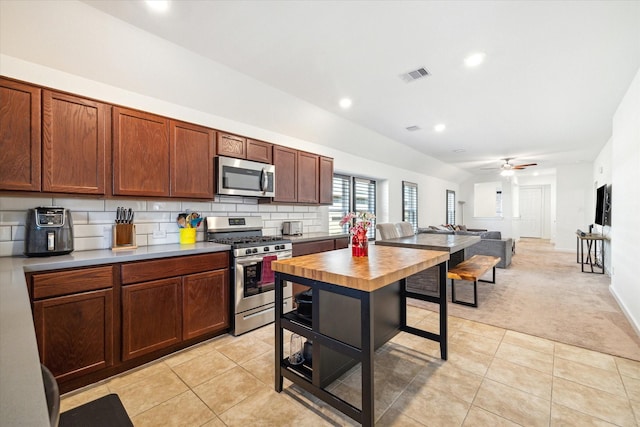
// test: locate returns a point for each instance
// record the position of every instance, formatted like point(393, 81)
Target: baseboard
point(634, 324)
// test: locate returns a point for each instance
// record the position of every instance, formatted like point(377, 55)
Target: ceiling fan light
point(507, 172)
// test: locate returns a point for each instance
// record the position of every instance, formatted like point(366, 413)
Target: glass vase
point(360, 245)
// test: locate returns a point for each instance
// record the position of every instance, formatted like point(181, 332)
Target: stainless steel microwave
point(237, 177)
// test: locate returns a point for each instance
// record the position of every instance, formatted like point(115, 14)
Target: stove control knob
point(255, 250)
point(266, 249)
point(247, 251)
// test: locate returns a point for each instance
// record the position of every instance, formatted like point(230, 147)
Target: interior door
point(531, 214)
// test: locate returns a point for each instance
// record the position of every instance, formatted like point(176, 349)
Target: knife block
point(124, 237)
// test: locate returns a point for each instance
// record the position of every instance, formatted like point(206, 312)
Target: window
point(410, 203)
point(352, 194)
point(499, 203)
point(451, 207)
point(341, 203)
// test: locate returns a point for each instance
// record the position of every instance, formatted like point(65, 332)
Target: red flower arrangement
point(360, 223)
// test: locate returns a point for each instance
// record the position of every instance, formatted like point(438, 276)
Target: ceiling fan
point(506, 166)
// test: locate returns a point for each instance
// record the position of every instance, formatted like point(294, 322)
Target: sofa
point(491, 243)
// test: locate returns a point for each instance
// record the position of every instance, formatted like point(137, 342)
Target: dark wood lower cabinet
point(93, 323)
point(151, 316)
point(205, 298)
point(75, 333)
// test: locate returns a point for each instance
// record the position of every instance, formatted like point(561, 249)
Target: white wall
point(574, 203)
point(625, 176)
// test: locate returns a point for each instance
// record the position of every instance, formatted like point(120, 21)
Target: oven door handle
point(256, 259)
point(248, 263)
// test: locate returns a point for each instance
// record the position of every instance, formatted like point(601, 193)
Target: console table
point(358, 305)
point(591, 240)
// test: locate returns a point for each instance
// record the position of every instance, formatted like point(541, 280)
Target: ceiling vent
point(413, 128)
point(415, 74)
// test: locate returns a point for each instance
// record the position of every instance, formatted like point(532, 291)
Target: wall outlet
point(159, 234)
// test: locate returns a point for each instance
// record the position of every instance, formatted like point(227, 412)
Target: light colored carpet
point(544, 293)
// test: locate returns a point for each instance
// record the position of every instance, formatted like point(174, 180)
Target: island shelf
point(358, 305)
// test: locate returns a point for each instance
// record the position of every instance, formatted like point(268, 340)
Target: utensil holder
point(187, 236)
point(124, 236)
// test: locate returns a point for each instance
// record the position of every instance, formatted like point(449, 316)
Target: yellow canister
point(187, 236)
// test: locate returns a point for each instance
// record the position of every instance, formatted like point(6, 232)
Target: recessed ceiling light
point(158, 5)
point(345, 103)
point(412, 128)
point(440, 127)
point(459, 150)
point(474, 59)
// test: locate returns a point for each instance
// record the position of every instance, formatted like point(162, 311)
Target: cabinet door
point(259, 151)
point(326, 181)
point(74, 144)
point(192, 149)
point(151, 316)
point(308, 177)
point(232, 146)
point(75, 333)
point(205, 303)
point(342, 243)
point(19, 136)
point(286, 163)
point(140, 154)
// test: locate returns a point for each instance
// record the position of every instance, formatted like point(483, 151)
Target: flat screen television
point(603, 205)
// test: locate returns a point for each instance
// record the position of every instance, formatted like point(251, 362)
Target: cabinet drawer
point(145, 271)
point(306, 248)
point(58, 283)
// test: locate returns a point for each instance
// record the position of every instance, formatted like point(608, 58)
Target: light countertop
point(437, 242)
point(22, 399)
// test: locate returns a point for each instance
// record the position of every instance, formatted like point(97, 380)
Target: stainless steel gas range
point(251, 276)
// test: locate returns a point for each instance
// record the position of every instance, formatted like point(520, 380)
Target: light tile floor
point(494, 377)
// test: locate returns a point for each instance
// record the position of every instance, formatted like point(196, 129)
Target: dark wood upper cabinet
point(192, 152)
point(286, 162)
point(75, 142)
point(326, 180)
point(140, 154)
point(308, 177)
point(19, 136)
point(231, 146)
point(259, 151)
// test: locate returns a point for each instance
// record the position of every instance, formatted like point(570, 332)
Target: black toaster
point(48, 231)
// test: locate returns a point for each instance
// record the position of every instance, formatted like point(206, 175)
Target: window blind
point(364, 200)
point(451, 207)
point(351, 194)
point(341, 202)
point(410, 203)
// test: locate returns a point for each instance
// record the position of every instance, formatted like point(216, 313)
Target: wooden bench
point(471, 270)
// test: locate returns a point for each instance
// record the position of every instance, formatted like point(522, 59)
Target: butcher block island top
point(383, 266)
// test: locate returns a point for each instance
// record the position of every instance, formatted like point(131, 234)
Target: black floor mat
point(104, 412)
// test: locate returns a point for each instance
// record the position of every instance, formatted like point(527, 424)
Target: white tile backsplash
point(23, 203)
point(80, 204)
point(5, 233)
point(93, 219)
